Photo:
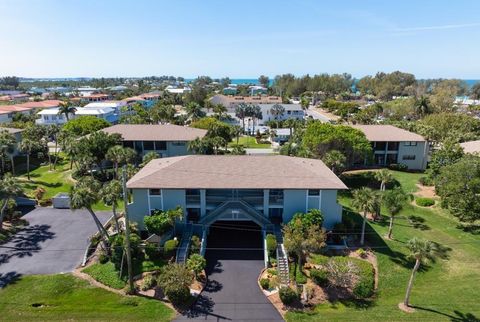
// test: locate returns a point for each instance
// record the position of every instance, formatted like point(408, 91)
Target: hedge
point(287, 295)
point(271, 244)
point(424, 202)
point(319, 276)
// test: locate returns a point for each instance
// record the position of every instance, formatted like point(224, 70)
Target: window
point(276, 196)
point(148, 145)
point(393, 146)
point(380, 146)
point(128, 144)
point(410, 143)
point(178, 143)
point(392, 158)
point(155, 192)
point(193, 214)
point(408, 157)
point(275, 213)
point(314, 192)
point(160, 145)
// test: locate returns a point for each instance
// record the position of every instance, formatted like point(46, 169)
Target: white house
point(107, 113)
point(50, 116)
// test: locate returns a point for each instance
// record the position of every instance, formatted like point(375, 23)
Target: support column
point(203, 202)
point(266, 196)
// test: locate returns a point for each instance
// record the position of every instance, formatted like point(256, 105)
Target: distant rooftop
point(156, 132)
point(235, 172)
point(388, 133)
point(11, 130)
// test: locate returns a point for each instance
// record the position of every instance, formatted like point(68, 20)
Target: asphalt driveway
point(53, 242)
point(235, 260)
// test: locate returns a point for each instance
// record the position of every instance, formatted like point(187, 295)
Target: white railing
point(265, 250)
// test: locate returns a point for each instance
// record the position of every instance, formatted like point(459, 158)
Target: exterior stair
point(282, 258)
point(182, 250)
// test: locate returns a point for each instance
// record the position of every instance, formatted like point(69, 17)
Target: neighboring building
point(230, 102)
point(115, 105)
point(267, 190)
point(471, 147)
point(107, 113)
point(281, 135)
point(229, 91)
point(95, 98)
point(292, 111)
point(17, 133)
point(50, 116)
point(392, 145)
point(86, 90)
point(7, 112)
point(177, 90)
point(166, 140)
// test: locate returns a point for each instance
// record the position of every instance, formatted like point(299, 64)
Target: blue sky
point(239, 39)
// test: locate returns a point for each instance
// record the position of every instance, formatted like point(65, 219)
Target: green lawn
point(53, 181)
point(249, 142)
point(64, 297)
point(446, 290)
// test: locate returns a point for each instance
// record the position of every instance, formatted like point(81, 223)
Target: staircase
point(255, 215)
point(182, 250)
point(282, 258)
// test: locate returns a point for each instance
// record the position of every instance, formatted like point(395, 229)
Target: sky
point(239, 39)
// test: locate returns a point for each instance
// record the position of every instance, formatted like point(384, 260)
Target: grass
point(108, 275)
point(53, 181)
point(298, 276)
point(65, 297)
point(445, 290)
point(249, 142)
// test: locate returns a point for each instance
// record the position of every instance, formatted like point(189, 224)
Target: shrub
point(265, 283)
point(195, 244)
point(287, 295)
point(366, 283)
point(162, 221)
point(272, 271)
point(102, 258)
point(152, 251)
point(341, 271)
point(319, 276)
point(196, 263)
point(148, 282)
point(177, 294)
point(424, 202)
point(271, 244)
point(426, 181)
point(273, 261)
point(117, 246)
point(361, 252)
point(398, 166)
point(170, 247)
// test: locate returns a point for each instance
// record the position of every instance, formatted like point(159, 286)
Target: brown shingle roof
point(390, 133)
point(471, 147)
point(236, 172)
point(155, 132)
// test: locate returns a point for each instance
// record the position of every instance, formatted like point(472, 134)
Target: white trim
point(149, 208)
point(320, 200)
point(161, 196)
point(306, 201)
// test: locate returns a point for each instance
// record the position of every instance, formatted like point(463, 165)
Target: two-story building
point(166, 140)
point(392, 145)
point(266, 190)
point(17, 134)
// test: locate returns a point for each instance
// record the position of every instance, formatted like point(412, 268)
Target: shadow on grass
point(458, 317)
point(473, 229)
point(365, 179)
point(418, 222)
point(9, 278)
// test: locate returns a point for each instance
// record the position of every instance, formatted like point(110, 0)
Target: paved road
point(318, 116)
point(53, 242)
point(259, 151)
point(232, 292)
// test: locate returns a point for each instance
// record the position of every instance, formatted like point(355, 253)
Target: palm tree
point(111, 195)
point(152, 155)
point(84, 194)
point(66, 108)
point(393, 201)
point(255, 112)
point(335, 160)
point(366, 200)
point(422, 106)
point(304, 102)
point(194, 111)
point(219, 110)
point(27, 146)
point(118, 155)
point(384, 176)
point(421, 250)
point(277, 110)
point(196, 146)
point(241, 113)
point(9, 188)
point(7, 144)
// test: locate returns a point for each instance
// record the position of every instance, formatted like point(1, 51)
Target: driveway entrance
point(234, 262)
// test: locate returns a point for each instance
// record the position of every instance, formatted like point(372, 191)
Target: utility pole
point(127, 230)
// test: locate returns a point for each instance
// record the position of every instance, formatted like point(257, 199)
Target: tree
point(422, 106)
point(304, 102)
point(10, 82)
point(449, 153)
point(366, 200)
point(241, 113)
point(320, 138)
point(7, 146)
point(301, 239)
point(84, 194)
point(162, 221)
point(28, 146)
point(162, 113)
point(458, 185)
point(335, 160)
point(93, 149)
point(111, 194)
point(196, 263)
point(475, 91)
point(84, 125)
point(421, 250)
point(66, 108)
point(439, 127)
point(9, 188)
point(194, 111)
point(393, 200)
point(175, 280)
point(149, 156)
point(384, 176)
point(255, 112)
point(277, 110)
point(264, 81)
point(219, 110)
point(238, 149)
point(119, 155)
